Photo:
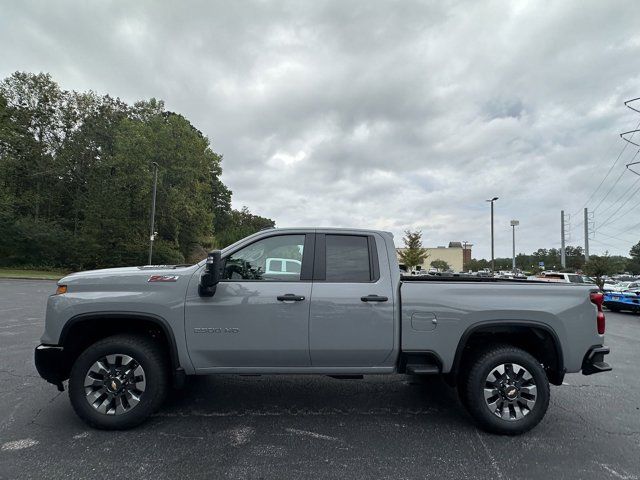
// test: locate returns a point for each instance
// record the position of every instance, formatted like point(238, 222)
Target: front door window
point(275, 259)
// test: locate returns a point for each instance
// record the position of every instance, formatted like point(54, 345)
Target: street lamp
point(514, 224)
point(152, 233)
point(493, 262)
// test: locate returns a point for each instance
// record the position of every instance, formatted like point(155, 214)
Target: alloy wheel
point(510, 391)
point(115, 384)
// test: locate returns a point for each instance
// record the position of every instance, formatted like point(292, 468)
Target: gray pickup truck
point(315, 301)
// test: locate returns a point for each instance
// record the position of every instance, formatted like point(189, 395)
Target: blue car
point(618, 301)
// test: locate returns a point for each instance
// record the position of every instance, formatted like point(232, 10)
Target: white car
point(560, 277)
point(283, 266)
point(621, 287)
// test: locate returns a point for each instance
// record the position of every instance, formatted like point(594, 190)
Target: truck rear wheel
point(506, 391)
point(118, 382)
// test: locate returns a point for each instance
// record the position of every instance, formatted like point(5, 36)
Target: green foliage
point(76, 179)
point(476, 265)
point(601, 266)
point(440, 265)
point(241, 223)
point(633, 264)
point(413, 254)
point(551, 257)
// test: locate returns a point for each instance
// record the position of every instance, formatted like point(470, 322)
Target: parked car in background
point(610, 286)
point(634, 287)
point(625, 286)
point(550, 276)
point(622, 301)
point(619, 287)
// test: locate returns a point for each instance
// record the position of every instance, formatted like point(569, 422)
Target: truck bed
point(438, 311)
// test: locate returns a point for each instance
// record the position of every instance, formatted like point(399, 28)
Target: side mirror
point(211, 275)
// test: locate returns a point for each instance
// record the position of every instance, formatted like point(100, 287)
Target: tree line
point(542, 259)
point(76, 177)
point(575, 261)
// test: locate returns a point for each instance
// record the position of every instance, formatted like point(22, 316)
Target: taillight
point(597, 298)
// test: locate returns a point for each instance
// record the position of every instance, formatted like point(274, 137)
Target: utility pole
point(514, 224)
point(563, 258)
point(464, 255)
point(152, 234)
point(586, 235)
point(493, 262)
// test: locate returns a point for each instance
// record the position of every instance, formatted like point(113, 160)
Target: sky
point(390, 115)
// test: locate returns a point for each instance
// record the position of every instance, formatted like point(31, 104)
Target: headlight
point(61, 289)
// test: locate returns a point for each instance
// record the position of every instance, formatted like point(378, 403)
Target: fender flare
point(149, 317)
point(462, 343)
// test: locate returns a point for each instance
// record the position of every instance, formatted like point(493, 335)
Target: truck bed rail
point(460, 278)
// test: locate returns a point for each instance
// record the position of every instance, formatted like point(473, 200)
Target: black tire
point(147, 354)
point(473, 398)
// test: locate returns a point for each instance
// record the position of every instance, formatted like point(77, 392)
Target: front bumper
point(594, 361)
point(52, 364)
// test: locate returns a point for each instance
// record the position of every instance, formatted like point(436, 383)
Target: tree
point(413, 254)
point(574, 257)
point(632, 265)
point(441, 265)
point(601, 266)
point(76, 177)
point(241, 224)
point(476, 265)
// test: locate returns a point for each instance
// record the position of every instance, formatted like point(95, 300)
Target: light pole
point(493, 261)
point(152, 233)
point(514, 224)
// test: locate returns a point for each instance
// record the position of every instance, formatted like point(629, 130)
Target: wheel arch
point(84, 329)
point(521, 333)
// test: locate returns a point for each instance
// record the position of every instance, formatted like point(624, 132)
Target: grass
point(31, 274)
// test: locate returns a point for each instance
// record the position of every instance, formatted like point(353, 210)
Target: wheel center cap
point(511, 392)
point(113, 385)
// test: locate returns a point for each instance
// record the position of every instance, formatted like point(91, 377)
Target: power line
point(615, 238)
point(610, 190)
point(606, 244)
point(608, 220)
point(626, 104)
point(637, 225)
point(624, 147)
point(622, 196)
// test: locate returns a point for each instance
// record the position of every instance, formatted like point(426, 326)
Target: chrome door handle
point(290, 297)
point(374, 298)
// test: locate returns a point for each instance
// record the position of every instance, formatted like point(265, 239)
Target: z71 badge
point(163, 278)
point(216, 330)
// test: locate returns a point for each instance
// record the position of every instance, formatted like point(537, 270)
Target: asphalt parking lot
point(304, 427)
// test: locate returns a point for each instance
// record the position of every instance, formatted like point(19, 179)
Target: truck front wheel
point(506, 391)
point(118, 382)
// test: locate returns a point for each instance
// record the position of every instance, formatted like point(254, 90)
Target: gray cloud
point(391, 115)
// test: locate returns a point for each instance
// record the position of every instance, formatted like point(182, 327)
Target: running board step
point(422, 369)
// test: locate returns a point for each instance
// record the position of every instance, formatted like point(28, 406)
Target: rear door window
point(347, 259)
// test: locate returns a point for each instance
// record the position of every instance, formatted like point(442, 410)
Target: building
point(456, 255)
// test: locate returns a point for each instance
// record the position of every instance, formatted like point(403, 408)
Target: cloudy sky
point(391, 115)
